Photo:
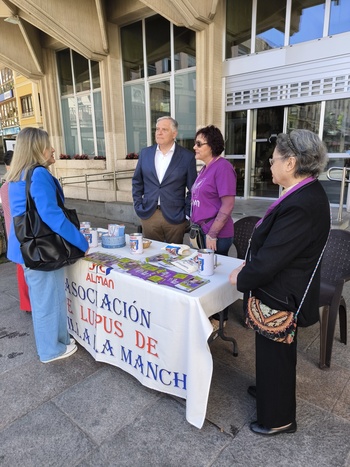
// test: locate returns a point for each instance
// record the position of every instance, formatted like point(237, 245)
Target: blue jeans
point(223, 245)
point(49, 311)
point(222, 248)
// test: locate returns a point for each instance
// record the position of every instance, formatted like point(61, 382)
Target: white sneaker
point(70, 350)
point(72, 341)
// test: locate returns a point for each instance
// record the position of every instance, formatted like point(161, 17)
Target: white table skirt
point(156, 333)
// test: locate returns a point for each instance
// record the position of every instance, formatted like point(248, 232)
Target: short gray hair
point(310, 152)
point(174, 123)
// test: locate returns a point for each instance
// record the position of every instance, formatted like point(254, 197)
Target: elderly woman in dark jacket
point(285, 248)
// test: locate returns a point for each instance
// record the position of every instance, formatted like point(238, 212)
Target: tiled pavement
point(78, 412)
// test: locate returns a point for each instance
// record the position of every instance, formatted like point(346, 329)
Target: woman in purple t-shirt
point(213, 195)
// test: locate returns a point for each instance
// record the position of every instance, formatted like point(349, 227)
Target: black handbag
point(197, 237)
point(42, 248)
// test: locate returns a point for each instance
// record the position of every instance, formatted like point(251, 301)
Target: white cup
point(94, 238)
point(206, 262)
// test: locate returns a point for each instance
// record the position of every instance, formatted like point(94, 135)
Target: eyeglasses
point(199, 144)
point(273, 160)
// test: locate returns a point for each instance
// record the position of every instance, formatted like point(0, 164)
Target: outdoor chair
point(335, 271)
point(243, 229)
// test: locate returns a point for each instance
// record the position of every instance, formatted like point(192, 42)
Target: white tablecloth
point(156, 333)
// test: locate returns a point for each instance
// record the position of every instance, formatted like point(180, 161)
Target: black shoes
point(262, 430)
point(252, 391)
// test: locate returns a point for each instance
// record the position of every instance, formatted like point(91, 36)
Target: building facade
point(9, 120)
point(28, 102)
point(253, 68)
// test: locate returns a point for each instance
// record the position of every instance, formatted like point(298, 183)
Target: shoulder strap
point(29, 200)
point(314, 271)
point(30, 204)
point(318, 262)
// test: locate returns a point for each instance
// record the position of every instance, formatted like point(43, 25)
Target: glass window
point(185, 108)
point(270, 25)
point(82, 121)
point(160, 102)
point(95, 75)
point(239, 166)
point(158, 45)
point(336, 129)
point(153, 95)
point(135, 117)
point(340, 17)
point(65, 76)
point(81, 73)
point(238, 28)
point(236, 132)
point(184, 48)
point(85, 125)
point(70, 126)
point(304, 116)
point(307, 20)
point(27, 105)
point(332, 187)
point(269, 122)
point(131, 40)
point(100, 135)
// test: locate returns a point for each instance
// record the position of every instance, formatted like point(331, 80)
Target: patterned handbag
point(277, 325)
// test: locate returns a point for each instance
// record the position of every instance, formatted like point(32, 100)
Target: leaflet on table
point(167, 277)
point(162, 259)
point(147, 271)
point(177, 249)
point(185, 263)
point(188, 264)
point(113, 261)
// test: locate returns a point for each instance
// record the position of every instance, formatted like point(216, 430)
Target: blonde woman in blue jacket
point(46, 288)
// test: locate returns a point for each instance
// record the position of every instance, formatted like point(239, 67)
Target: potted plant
point(81, 157)
point(64, 156)
point(132, 155)
point(100, 158)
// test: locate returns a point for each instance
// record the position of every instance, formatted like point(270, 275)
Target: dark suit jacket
point(284, 251)
point(146, 189)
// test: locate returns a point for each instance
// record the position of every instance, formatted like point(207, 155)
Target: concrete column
point(112, 101)
point(209, 45)
point(50, 103)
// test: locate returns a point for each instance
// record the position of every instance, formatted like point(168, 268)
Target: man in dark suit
point(164, 171)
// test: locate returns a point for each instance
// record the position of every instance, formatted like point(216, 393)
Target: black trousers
point(275, 382)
